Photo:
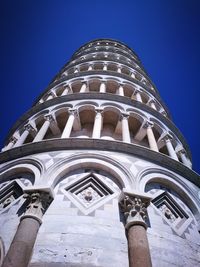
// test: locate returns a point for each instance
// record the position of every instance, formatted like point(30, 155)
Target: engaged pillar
point(21, 248)
point(134, 208)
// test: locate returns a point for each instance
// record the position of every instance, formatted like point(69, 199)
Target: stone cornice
point(104, 96)
point(101, 145)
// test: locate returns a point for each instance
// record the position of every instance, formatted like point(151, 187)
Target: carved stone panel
point(89, 192)
point(9, 193)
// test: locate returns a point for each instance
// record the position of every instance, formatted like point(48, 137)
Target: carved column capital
point(136, 91)
point(84, 82)
point(13, 139)
point(180, 150)
point(38, 202)
point(151, 101)
point(99, 110)
point(148, 124)
point(124, 116)
point(134, 207)
point(72, 111)
point(29, 127)
point(166, 137)
point(49, 117)
point(51, 93)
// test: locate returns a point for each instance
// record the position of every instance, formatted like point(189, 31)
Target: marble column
point(68, 127)
point(167, 139)
point(121, 90)
point(65, 91)
point(102, 88)
point(43, 130)
point(11, 143)
point(97, 124)
point(119, 69)
point(125, 129)
point(133, 75)
point(83, 88)
point(134, 208)
point(21, 248)
point(152, 104)
point(138, 96)
point(150, 136)
point(27, 129)
point(181, 151)
point(51, 95)
point(105, 67)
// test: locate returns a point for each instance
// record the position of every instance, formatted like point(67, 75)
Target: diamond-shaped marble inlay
point(172, 212)
point(89, 192)
point(9, 193)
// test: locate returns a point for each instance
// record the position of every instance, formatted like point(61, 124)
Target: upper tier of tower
point(104, 93)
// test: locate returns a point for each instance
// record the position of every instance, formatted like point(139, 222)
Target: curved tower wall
point(98, 135)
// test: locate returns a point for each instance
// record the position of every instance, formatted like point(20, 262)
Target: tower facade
point(97, 174)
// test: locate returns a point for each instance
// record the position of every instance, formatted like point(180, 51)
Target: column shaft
point(83, 88)
point(68, 127)
point(153, 105)
point(121, 90)
point(138, 247)
point(49, 97)
point(97, 125)
point(20, 250)
point(138, 97)
point(105, 67)
point(119, 70)
point(125, 130)
point(43, 130)
point(185, 160)
point(22, 138)
point(102, 87)
point(171, 150)
point(151, 139)
point(133, 75)
point(65, 92)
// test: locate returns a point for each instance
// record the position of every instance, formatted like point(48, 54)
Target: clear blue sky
point(38, 37)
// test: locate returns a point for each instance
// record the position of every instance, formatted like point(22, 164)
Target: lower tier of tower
point(83, 223)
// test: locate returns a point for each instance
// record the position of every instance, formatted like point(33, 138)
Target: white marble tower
point(96, 174)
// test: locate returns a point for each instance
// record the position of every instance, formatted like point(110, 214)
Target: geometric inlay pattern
point(9, 193)
point(89, 192)
point(172, 213)
point(171, 210)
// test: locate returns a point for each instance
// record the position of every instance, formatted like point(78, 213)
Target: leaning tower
point(96, 174)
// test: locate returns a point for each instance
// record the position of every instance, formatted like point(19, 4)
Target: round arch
point(90, 160)
point(31, 167)
point(172, 181)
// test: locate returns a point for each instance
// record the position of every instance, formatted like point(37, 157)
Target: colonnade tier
point(107, 42)
point(106, 65)
point(122, 103)
point(113, 82)
point(106, 121)
point(104, 86)
point(107, 48)
point(115, 57)
point(109, 56)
